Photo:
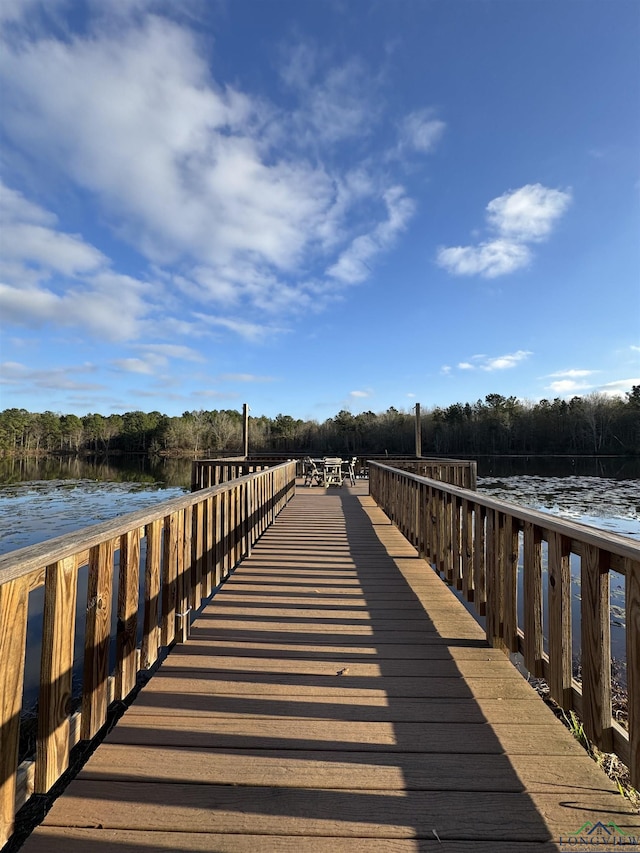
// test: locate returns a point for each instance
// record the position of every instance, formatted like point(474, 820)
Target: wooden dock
point(335, 695)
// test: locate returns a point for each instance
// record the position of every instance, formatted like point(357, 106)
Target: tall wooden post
point(245, 430)
point(418, 432)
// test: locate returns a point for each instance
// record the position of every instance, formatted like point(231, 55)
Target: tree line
point(593, 424)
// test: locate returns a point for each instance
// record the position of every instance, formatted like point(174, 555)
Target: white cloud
point(148, 366)
point(572, 374)
point(202, 185)
point(64, 253)
point(155, 358)
point(527, 214)
point(249, 331)
point(353, 264)
point(506, 362)
point(51, 277)
point(360, 394)
point(619, 387)
point(517, 217)
point(108, 305)
point(244, 377)
point(420, 131)
point(566, 386)
point(492, 259)
point(500, 362)
point(167, 351)
point(54, 378)
point(336, 104)
point(186, 170)
point(30, 238)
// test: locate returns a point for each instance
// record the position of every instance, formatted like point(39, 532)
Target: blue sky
point(311, 206)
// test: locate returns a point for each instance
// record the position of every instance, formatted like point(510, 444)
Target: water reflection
point(168, 473)
point(614, 467)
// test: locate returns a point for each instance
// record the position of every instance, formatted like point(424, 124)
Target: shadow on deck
point(335, 696)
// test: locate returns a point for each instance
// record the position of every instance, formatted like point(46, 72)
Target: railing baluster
point(492, 549)
point(532, 586)
point(153, 564)
point(14, 604)
point(58, 633)
point(456, 541)
point(479, 560)
point(184, 574)
point(208, 566)
point(97, 639)
point(596, 647)
point(632, 586)
point(169, 579)
point(128, 586)
point(510, 607)
point(197, 555)
point(559, 598)
point(467, 551)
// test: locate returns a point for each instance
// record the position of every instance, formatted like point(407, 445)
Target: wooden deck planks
point(249, 739)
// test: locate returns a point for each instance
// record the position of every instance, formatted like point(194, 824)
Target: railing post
point(596, 647)
point(14, 605)
point(97, 640)
point(632, 584)
point(152, 573)
point(58, 633)
point(559, 597)
point(532, 586)
point(128, 586)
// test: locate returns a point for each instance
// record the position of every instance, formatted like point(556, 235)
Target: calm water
point(43, 499)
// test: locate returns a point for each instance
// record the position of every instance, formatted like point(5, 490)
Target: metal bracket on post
point(182, 625)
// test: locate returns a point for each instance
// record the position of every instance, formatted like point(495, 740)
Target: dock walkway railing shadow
point(335, 696)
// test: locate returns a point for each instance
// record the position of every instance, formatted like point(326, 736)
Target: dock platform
point(335, 695)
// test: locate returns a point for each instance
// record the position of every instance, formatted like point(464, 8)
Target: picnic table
point(329, 471)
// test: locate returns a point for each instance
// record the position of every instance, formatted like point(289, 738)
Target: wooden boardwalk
point(334, 696)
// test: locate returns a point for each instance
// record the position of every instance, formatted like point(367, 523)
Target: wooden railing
point(210, 472)
point(190, 545)
point(478, 544)
point(457, 472)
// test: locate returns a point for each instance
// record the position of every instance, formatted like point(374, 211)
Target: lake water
point(43, 499)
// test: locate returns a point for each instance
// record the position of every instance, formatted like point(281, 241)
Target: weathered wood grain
point(559, 597)
point(532, 586)
point(596, 647)
point(14, 602)
point(97, 639)
point(633, 666)
point(152, 575)
point(128, 586)
point(472, 815)
point(51, 839)
point(59, 620)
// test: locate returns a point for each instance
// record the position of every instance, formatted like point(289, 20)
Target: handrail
point(477, 542)
point(190, 545)
point(210, 472)
point(457, 472)
point(460, 472)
